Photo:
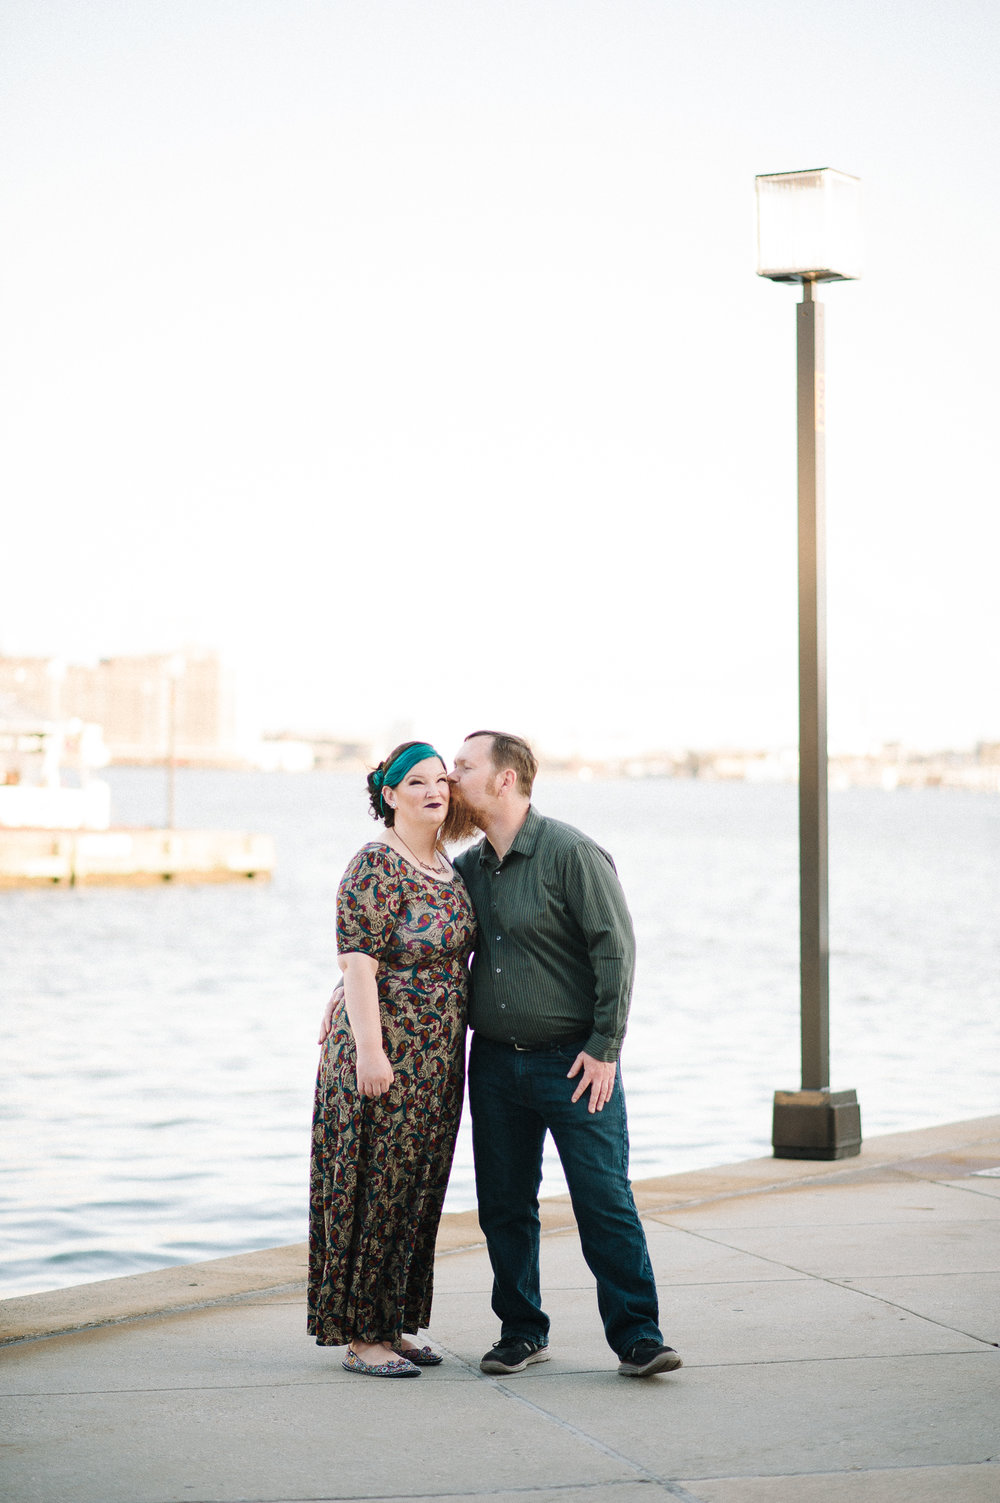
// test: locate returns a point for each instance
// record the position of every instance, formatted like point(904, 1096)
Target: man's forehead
point(472, 750)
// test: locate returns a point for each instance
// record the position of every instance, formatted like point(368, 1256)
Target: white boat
point(46, 773)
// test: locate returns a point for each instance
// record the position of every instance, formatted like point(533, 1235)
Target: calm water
point(158, 1045)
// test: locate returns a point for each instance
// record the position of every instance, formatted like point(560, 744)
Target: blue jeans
point(515, 1098)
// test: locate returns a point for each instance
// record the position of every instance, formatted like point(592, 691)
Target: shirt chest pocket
point(529, 917)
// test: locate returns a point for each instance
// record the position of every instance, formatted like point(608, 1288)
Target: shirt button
point(498, 970)
point(503, 1007)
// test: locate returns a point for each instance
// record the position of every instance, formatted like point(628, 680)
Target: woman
point(391, 1076)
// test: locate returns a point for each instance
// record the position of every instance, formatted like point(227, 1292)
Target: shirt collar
point(524, 841)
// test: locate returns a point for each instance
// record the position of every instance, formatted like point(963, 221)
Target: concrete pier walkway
point(839, 1326)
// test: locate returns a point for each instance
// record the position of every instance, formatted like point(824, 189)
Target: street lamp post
point(808, 232)
point(174, 670)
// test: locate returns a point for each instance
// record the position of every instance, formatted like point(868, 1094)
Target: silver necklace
point(439, 869)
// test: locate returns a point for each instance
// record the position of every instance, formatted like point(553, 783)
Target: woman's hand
point(374, 1072)
point(361, 1003)
point(336, 1000)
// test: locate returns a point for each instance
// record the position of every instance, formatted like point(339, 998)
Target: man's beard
point(460, 821)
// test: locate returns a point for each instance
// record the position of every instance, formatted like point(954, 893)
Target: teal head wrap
point(394, 774)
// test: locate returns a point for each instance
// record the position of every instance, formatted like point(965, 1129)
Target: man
point(551, 987)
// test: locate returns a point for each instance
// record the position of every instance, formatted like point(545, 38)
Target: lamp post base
point(816, 1125)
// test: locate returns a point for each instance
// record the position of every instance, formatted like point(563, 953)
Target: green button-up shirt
point(555, 955)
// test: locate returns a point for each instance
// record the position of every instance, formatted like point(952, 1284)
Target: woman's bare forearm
point(361, 1003)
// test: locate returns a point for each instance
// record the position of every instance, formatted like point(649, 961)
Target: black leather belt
point(551, 1044)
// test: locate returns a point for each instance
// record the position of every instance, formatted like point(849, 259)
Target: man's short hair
point(514, 752)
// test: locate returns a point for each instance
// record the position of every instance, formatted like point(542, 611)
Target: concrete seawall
point(839, 1324)
point(190, 1286)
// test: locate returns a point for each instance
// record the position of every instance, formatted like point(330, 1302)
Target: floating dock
point(65, 858)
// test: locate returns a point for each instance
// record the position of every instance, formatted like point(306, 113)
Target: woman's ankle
point(366, 1349)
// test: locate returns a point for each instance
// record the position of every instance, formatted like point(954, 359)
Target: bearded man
point(551, 987)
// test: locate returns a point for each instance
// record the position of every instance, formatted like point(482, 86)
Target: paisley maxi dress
point(380, 1166)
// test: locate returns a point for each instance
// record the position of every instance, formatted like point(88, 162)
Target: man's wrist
point(599, 1046)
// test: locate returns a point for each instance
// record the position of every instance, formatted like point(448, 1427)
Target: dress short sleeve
point(368, 903)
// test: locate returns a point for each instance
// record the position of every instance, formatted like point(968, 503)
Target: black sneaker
point(513, 1354)
point(646, 1358)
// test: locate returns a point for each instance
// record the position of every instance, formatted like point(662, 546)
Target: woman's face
point(422, 797)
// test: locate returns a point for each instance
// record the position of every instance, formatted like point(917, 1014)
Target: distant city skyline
point(410, 353)
point(193, 698)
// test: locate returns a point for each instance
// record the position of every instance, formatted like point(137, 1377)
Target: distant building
point(34, 684)
point(281, 754)
point(145, 705)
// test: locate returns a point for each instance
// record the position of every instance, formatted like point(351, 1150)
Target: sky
point(411, 354)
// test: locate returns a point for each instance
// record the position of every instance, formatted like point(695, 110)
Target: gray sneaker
point(648, 1357)
point(513, 1354)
